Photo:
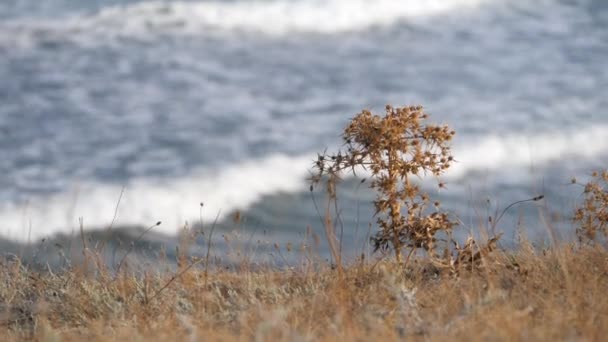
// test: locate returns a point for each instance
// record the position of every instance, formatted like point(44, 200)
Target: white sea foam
point(146, 201)
point(279, 17)
point(239, 186)
point(274, 17)
point(511, 151)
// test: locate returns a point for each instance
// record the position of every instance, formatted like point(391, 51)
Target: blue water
point(227, 103)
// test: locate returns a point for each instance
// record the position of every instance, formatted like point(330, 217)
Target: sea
point(198, 114)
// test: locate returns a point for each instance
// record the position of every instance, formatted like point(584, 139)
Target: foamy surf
point(275, 18)
point(281, 17)
point(237, 187)
point(496, 152)
point(146, 201)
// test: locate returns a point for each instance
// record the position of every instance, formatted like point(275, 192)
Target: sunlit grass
point(556, 293)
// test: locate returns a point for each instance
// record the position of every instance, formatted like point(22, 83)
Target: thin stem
point(534, 199)
point(133, 244)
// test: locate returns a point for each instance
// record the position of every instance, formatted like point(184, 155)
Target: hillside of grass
point(527, 294)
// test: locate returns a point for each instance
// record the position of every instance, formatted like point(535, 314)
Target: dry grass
point(533, 295)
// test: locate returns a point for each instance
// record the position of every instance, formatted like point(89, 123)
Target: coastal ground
point(531, 293)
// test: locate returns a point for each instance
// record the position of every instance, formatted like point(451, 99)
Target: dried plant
point(471, 255)
point(591, 217)
point(395, 148)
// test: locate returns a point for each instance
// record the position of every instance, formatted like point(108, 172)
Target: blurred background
point(160, 105)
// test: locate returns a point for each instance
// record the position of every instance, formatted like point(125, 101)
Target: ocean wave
point(146, 201)
point(496, 152)
point(277, 17)
point(237, 187)
point(280, 17)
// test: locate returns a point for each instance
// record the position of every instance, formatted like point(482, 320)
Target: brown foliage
point(395, 148)
point(591, 216)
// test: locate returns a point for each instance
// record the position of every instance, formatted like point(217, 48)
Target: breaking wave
point(237, 187)
point(277, 17)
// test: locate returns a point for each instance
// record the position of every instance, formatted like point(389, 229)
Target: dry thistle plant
point(592, 216)
point(395, 148)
